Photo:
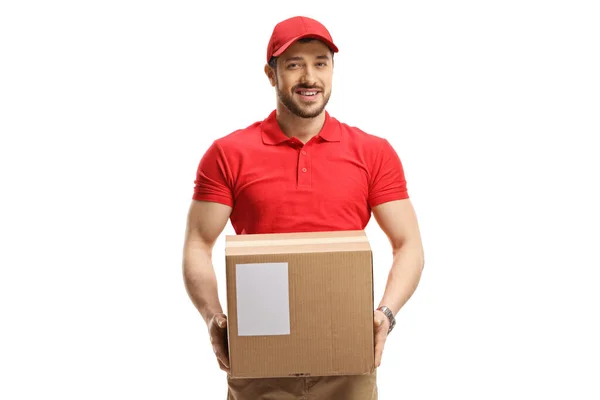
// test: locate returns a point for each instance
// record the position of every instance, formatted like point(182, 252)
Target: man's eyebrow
point(295, 58)
point(299, 58)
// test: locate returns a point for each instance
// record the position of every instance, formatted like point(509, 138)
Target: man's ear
point(270, 72)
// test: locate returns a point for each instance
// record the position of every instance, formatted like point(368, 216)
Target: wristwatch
point(388, 313)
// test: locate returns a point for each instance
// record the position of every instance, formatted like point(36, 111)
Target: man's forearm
point(404, 277)
point(200, 280)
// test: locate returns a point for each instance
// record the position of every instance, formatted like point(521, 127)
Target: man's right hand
point(217, 330)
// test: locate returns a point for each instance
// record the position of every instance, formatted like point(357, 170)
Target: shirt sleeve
point(387, 177)
point(213, 177)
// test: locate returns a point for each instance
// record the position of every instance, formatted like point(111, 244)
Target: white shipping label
point(263, 305)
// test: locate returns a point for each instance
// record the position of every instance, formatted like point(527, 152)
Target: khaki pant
point(358, 387)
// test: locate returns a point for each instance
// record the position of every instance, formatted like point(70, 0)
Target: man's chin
point(309, 115)
point(307, 112)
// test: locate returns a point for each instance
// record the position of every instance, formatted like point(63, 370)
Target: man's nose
point(308, 77)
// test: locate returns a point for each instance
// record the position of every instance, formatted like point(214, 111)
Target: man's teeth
point(308, 93)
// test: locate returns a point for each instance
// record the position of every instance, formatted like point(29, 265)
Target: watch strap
point(390, 316)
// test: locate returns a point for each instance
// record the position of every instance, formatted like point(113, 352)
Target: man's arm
point(398, 221)
point(206, 221)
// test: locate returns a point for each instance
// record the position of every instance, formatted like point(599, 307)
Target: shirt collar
point(273, 135)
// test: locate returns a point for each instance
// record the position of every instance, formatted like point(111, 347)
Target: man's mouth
point(307, 94)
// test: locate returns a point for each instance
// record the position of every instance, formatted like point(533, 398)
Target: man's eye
point(322, 64)
point(293, 65)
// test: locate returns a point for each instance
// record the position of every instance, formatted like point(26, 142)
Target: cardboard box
point(300, 304)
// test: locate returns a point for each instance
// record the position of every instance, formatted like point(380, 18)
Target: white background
point(106, 108)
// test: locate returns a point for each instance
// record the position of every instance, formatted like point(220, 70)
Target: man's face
point(303, 78)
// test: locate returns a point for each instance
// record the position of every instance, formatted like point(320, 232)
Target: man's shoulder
point(241, 133)
point(360, 136)
point(240, 138)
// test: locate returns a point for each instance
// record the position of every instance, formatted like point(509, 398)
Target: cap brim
point(287, 44)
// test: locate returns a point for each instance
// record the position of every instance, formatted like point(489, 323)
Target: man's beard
point(297, 110)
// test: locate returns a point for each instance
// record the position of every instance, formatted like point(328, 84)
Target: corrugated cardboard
point(330, 296)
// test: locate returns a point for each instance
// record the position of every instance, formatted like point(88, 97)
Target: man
point(300, 170)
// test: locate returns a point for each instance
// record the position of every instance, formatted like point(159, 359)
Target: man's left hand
point(382, 324)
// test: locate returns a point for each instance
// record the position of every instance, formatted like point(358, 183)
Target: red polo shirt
point(277, 184)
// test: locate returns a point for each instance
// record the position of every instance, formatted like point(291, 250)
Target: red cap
point(288, 31)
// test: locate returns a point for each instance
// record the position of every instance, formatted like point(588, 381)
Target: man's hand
point(217, 330)
point(382, 324)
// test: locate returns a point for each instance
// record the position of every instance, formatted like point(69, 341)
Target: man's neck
point(303, 129)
